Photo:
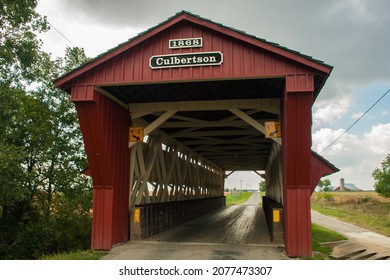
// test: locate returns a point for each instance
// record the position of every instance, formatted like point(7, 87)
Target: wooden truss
point(190, 162)
point(162, 173)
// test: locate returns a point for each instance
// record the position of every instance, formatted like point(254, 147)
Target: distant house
point(346, 187)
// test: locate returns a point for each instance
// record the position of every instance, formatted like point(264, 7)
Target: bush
point(382, 178)
point(327, 197)
point(67, 228)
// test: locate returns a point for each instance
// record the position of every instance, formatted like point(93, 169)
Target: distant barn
point(346, 187)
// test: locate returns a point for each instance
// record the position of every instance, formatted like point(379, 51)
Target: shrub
point(327, 197)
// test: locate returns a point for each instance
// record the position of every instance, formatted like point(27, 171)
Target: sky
point(351, 35)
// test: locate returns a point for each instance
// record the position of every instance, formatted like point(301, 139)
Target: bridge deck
point(231, 233)
point(240, 224)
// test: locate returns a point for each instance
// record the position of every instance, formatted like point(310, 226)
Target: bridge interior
point(217, 123)
point(197, 132)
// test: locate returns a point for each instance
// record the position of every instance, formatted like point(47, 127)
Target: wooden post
point(296, 133)
point(104, 125)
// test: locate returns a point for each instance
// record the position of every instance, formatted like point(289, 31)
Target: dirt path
point(361, 244)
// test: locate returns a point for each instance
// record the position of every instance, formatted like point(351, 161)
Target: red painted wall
point(296, 133)
point(104, 125)
point(319, 168)
point(240, 60)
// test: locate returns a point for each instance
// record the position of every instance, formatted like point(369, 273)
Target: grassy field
point(237, 198)
point(364, 209)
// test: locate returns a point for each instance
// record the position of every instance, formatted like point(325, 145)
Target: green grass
point(237, 198)
point(364, 209)
point(77, 255)
point(320, 235)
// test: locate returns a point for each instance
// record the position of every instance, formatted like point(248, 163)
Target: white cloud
point(378, 139)
point(331, 112)
point(333, 103)
point(357, 115)
point(325, 137)
point(356, 157)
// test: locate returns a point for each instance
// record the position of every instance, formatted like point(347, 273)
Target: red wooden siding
point(319, 168)
point(297, 219)
point(240, 60)
point(296, 130)
point(104, 125)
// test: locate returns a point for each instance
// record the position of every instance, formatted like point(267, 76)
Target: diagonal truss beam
point(253, 123)
point(154, 125)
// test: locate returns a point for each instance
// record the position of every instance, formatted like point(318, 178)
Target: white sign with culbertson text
point(186, 60)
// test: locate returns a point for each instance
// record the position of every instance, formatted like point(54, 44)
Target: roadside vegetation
point(235, 197)
point(77, 255)
point(322, 235)
point(365, 209)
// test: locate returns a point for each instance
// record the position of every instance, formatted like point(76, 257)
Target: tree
point(382, 178)
point(327, 182)
point(262, 186)
point(19, 46)
point(44, 200)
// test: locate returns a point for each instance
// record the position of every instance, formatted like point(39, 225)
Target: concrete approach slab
point(155, 250)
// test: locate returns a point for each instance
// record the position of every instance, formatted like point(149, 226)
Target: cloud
point(356, 157)
point(378, 139)
point(357, 115)
point(326, 136)
point(328, 111)
point(347, 34)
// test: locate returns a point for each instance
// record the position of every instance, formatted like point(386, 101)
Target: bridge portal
point(196, 98)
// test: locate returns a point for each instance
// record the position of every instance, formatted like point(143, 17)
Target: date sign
point(186, 43)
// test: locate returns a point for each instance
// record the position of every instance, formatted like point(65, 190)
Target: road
point(361, 244)
point(231, 233)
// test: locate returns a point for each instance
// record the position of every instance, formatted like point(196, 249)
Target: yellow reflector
point(276, 215)
point(137, 215)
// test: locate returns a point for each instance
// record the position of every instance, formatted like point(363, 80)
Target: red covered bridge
point(201, 93)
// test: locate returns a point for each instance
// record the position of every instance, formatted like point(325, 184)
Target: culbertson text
point(186, 60)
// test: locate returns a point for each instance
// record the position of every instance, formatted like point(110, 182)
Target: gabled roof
point(326, 162)
point(196, 19)
point(348, 187)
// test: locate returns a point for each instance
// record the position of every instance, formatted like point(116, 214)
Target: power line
point(352, 125)
point(59, 32)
